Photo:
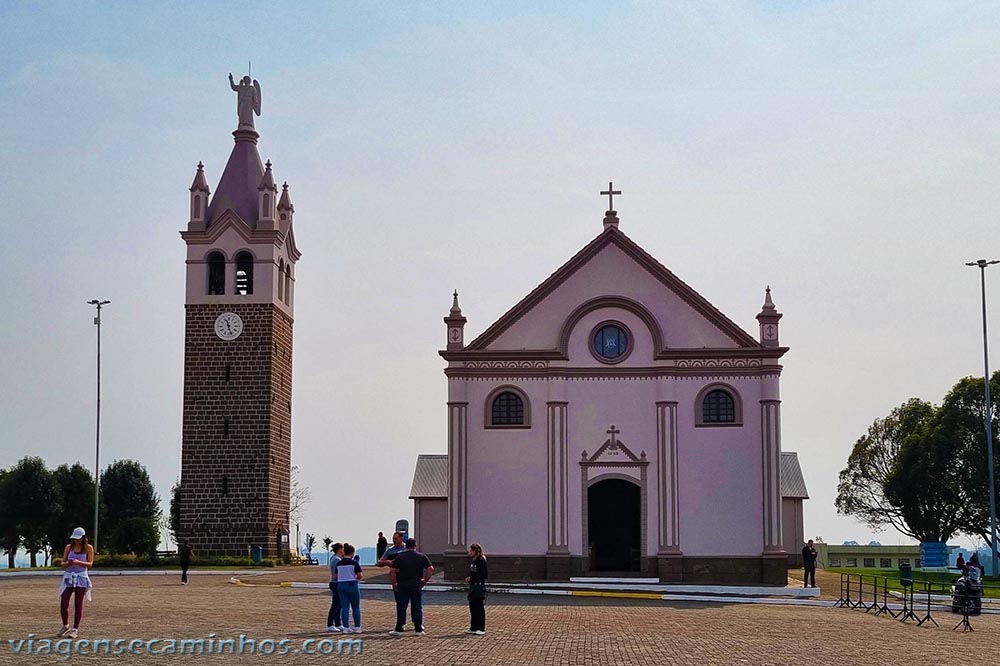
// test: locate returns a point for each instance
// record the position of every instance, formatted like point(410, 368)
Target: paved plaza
point(521, 629)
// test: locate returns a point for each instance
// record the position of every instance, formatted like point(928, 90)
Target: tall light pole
point(97, 456)
point(981, 264)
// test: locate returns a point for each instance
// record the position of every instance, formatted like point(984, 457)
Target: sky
point(845, 153)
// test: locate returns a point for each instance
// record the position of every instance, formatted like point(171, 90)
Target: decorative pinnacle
point(285, 202)
point(199, 182)
point(768, 303)
point(267, 180)
point(455, 309)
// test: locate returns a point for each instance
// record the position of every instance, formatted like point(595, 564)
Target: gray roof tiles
point(793, 486)
point(430, 478)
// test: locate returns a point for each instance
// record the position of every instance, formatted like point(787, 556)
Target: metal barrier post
point(928, 616)
point(884, 608)
point(874, 604)
point(860, 603)
point(841, 601)
point(907, 612)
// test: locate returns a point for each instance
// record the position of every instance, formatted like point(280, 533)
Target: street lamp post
point(981, 264)
point(97, 456)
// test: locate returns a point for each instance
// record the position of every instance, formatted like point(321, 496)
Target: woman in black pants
point(477, 590)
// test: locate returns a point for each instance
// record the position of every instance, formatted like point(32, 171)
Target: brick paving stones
point(522, 630)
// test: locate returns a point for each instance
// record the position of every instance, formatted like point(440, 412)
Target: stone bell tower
point(240, 297)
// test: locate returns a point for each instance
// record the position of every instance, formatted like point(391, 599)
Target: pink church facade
point(615, 421)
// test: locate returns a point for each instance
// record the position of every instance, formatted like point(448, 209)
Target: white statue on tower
point(247, 99)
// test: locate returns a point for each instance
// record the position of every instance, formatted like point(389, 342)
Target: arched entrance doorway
point(614, 525)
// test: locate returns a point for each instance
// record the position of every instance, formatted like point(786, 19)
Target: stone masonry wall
point(235, 476)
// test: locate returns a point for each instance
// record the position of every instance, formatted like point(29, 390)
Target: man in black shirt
point(409, 572)
point(809, 562)
point(186, 552)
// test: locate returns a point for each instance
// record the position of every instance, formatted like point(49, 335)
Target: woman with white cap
point(77, 558)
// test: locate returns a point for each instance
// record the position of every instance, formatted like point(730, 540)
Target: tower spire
point(768, 318)
point(455, 322)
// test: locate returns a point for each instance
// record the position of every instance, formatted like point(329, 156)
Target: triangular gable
point(230, 219)
point(613, 236)
point(613, 452)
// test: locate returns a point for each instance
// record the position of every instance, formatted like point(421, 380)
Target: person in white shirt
point(333, 621)
point(348, 575)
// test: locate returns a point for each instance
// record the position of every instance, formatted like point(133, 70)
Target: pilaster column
point(666, 477)
point(557, 473)
point(457, 475)
point(770, 442)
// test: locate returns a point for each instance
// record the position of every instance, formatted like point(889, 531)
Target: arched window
point(507, 409)
point(288, 284)
point(266, 213)
point(244, 273)
point(281, 279)
point(718, 405)
point(216, 274)
point(197, 207)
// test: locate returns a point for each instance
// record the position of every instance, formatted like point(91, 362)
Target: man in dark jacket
point(809, 562)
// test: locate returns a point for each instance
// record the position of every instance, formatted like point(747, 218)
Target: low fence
point(872, 594)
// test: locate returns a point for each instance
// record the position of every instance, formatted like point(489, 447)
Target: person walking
point(186, 552)
point(333, 621)
point(409, 572)
point(77, 559)
point(809, 564)
point(348, 574)
point(477, 590)
point(380, 546)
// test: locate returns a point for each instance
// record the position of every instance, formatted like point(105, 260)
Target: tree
point(299, 496)
point(128, 493)
point(76, 492)
point(10, 537)
point(137, 535)
point(310, 542)
point(962, 426)
point(925, 484)
point(327, 542)
point(174, 521)
point(886, 483)
point(32, 496)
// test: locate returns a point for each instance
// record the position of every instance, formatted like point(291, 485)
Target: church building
point(612, 421)
point(240, 298)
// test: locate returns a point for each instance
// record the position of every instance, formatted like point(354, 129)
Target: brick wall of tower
point(235, 484)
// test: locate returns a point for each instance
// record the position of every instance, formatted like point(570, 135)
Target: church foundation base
point(774, 569)
point(502, 568)
point(670, 568)
point(717, 570)
point(557, 566)
point(764, 570)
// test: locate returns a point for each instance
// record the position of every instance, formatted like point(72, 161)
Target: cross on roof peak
point(610, 193)
point(613, 431)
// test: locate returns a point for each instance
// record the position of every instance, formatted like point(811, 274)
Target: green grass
point(940, 582)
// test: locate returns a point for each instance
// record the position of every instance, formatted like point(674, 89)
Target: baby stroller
point(967, 593)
